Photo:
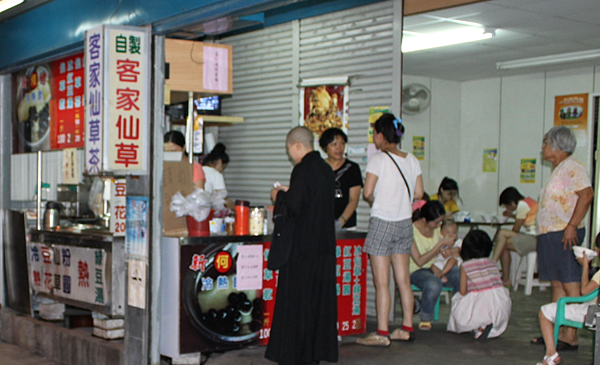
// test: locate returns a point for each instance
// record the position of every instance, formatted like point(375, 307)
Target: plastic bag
point(198, 204)
point(96, 197)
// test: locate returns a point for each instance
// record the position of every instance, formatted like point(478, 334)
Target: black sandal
point(538, 341)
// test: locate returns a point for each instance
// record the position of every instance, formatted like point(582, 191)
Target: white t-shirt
point(521, 213)
point(392, 202)
point(214, 180)
point(440, 261)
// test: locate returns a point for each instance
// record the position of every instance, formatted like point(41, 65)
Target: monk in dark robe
point(304, 320)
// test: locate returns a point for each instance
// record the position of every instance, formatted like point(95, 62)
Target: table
point(476, 224)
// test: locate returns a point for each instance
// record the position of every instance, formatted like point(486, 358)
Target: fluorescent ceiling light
point(549, 60)
point(7, 4)
point(417, 42)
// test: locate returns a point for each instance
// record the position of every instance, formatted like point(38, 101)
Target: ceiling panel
point(524, 28)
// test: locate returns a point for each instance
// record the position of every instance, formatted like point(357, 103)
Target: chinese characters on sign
point(71, 272)
point(117, 79)
point(216, 69)
point(249, 267)
point(67, 129)
point(118, 208)
point(128, 99)
point(94, 113)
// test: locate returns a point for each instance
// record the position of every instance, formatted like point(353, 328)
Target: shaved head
point(302, 135)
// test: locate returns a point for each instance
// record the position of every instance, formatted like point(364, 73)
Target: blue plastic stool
point(436, 311)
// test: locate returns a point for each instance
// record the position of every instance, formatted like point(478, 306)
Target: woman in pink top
point(175, 142)
point(564, 202)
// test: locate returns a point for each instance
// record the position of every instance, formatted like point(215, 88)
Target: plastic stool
point(529, 281)
point(436, 311)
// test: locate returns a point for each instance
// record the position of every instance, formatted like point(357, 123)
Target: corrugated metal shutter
point(356, 43)
point(263, 87)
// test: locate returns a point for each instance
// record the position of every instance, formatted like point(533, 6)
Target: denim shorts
point(386, 238)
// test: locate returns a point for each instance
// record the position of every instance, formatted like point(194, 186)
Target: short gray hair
point(561, 138)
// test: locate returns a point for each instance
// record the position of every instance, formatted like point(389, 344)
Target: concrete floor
point(441, 347)
point(434, 347)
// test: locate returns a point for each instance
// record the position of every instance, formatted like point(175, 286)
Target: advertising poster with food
point(216, 314)
point(572, 111)
point(323, 107)
point(528, 170)
point(49, 106)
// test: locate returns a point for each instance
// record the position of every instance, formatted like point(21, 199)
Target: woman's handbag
point(283, 235)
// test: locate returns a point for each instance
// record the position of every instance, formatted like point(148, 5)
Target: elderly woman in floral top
point(564, 202)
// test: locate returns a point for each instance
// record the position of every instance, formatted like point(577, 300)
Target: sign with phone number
point(351, 274)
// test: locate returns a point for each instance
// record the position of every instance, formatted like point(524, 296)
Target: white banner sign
point(94, 82)
point(72, 272)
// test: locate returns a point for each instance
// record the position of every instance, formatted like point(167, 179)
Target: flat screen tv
point(209, 105)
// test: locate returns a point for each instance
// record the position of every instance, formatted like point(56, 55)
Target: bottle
point(242, 217)
point(257, 220)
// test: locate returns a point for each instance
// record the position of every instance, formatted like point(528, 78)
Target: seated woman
point(174, 141)
point(524, 210)
point(348, 179)
point(428, 243)
point(214, 165)
point(574, 312)
point(447, 193)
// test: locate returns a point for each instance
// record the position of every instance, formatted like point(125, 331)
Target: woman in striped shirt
point(483, 304)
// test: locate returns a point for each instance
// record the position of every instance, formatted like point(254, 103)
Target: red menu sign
point(67, 105)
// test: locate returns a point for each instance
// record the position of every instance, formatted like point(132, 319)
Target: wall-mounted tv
point(209, 105)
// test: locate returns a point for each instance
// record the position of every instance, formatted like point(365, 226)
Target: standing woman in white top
point(214, 165)
point(393, 180)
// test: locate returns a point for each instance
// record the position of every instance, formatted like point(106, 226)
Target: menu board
point(49, 106)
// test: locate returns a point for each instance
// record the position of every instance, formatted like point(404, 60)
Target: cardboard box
point(177, 176)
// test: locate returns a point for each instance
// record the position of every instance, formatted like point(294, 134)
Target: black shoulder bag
point(402, 174)
point(283, 235)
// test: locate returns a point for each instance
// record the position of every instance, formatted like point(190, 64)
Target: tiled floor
point(434, 347)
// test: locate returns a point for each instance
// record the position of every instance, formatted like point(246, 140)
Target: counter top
point(224, 238)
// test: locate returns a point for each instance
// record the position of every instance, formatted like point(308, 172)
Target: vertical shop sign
point(120, 128)
point(118, 207)
point(94, 116)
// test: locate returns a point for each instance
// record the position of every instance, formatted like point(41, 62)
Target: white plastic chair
point(525, 274)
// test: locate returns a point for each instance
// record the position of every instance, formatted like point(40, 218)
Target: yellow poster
point(490, 160)
point(419, 147)
point(374, 114)
point(528, 170)
point(571, 111)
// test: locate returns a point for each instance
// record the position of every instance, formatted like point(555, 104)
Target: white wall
point(510, 113)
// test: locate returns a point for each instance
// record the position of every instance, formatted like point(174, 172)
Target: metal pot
point(52, 215)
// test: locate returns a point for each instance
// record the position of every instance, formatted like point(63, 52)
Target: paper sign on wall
point(528, 167)
point(70, 166)
point(249, 267)
point(374, 113)
point(136, 284)
point(490, 160)
point(419, 147)
point(572, 111)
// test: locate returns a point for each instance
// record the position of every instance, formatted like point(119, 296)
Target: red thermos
point(242, 217)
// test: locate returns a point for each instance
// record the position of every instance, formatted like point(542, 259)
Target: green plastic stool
point(436, 311)
point(560, 312)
